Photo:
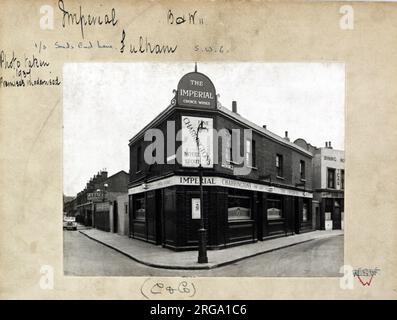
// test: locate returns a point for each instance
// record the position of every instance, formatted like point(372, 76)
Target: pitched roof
point(262, 130)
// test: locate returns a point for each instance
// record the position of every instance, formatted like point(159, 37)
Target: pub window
point(274, 209)
point(229, 146)
point(279, 165)
point(331, 178)
point(342, 179)
point(138, 158)
point(302, 169)
point(239, 207)
point(248, 153)
point(304, 213)
point(253, 153)
point(139, 207)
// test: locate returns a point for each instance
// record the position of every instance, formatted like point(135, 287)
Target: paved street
point(322, 257)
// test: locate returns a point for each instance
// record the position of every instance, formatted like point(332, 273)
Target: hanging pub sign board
point(196, 90)
point(192, 154)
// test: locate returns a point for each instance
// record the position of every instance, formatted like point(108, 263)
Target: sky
point(106, 104)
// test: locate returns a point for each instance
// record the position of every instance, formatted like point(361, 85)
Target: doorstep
point(159, 257)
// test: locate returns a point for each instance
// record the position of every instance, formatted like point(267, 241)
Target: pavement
point(159, 257)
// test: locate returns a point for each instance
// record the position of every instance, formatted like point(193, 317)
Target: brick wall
point(266, 150)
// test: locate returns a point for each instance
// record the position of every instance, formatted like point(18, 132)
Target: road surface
point(316, 258)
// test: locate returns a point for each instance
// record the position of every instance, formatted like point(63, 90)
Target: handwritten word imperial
point(83, 20)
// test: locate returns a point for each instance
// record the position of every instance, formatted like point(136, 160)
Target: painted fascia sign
point(217, 182)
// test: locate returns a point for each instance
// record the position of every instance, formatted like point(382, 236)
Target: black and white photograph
point(208, 152)
point(224, 169)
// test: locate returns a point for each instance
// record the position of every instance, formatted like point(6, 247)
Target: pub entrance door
point(115, 217)
point(297, 219)
point(89, 217)
point(337, 218)
point(159, 217)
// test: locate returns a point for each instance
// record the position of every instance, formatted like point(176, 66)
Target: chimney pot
point(264, 126)
point(234, 106)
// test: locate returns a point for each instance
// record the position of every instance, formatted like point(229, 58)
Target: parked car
point(69, 223)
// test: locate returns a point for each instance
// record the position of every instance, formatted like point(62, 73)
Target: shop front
point(244, 213)
point(332, 210)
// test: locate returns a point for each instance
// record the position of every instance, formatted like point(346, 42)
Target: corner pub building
point(274, 199)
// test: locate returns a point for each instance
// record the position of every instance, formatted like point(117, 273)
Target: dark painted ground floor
point(232, 216)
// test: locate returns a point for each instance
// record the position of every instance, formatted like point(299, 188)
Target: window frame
point(333, 170)
point(229, 151)
point(253, 153)
point(281, 208)
point(307, 212)
point(135, 200)
point(248, 152)
point(342, 179)
point(138, 158)
point(279, 165)
point(245, 197)
point(302, 169)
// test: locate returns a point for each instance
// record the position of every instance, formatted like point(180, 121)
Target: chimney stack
point(264, 126)
point(286, 136)
point(234, 106)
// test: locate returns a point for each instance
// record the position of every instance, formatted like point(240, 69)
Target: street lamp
point(202, 232)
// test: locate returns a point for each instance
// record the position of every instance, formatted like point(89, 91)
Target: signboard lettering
point(95, 196)
point(196, 90)
point(192, 154)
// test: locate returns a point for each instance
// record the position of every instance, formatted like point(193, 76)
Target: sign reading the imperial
point(196, 90)
point(193, 155)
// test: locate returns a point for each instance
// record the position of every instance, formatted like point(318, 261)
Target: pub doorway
point(297, 219)
point(259, 215)
point(337, 218)
point(89, 217)
point(159, 217)
point(115, 217)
